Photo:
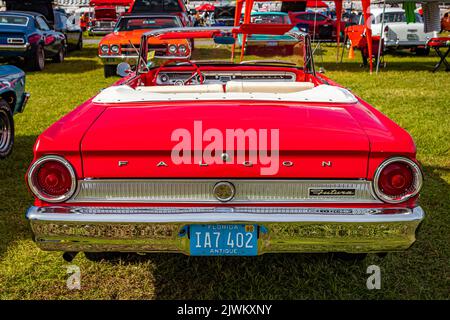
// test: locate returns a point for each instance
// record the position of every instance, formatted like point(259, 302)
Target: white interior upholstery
point(269, 87)
point(201, 88)
point(320, 93)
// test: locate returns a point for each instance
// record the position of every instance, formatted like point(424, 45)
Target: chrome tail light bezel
point(41, 195)
point(418, 180)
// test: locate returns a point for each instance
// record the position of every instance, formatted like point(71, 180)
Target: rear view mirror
point(224, 40)
point(123, 69)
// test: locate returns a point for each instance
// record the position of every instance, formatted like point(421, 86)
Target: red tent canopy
point(316, 4)
point(123, 3)
point(205, 7)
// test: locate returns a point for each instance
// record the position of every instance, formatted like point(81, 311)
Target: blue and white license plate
point(223, 240)
point(272, 43)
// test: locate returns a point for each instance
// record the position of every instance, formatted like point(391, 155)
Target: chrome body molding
point(201, 191)
point(282, 229)
point(14, 47)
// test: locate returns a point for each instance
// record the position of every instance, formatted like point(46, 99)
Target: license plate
point(272, 43)
point(223, 240)
point(412, 37)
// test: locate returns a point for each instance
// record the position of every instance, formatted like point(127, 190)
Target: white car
point(398, 34)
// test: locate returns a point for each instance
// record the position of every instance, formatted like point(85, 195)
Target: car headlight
point(104, 48)
point(115, 48)
point(173, 49)
point(182, 49)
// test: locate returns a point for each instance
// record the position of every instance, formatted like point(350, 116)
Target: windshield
point(150, 23)
point(270, 19)
point(20, 21)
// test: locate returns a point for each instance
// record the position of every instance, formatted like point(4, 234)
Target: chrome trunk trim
point(201, 191)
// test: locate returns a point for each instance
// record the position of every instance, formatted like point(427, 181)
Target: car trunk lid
point(137, 141)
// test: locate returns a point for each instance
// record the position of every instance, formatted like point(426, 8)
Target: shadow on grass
point(301, 276)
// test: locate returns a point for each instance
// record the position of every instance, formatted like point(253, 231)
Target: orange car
point(122, 44)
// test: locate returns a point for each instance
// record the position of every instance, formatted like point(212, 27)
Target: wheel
point(59, 58)
point(37, 61)
point(80, 43)
point(6, 130)
point(110, 71)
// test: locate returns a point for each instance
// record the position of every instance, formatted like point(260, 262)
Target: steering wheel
point(184, 82)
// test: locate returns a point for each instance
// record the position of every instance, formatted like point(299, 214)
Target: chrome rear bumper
point(282, 229)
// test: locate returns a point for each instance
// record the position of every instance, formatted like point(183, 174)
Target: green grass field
point(406, 91)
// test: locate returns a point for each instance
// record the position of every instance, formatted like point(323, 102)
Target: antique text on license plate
point(223, 240)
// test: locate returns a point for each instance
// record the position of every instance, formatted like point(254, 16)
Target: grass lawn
point(406, 91)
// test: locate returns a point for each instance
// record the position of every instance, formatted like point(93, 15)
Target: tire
point(6, 130)
point(80, 43)
point(109, 71)
point(37, 61)
point(59, 58)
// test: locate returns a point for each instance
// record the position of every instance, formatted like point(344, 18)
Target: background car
point(264, 42)
point(223, 16)
point(72, 32)
point(396, 33)
point(121, 45)
point(29, 37)
point(318, 25)
point(171, 7)
point(105, 18)
point(13, 99)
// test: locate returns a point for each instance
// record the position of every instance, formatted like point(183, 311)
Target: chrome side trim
point(201, 191)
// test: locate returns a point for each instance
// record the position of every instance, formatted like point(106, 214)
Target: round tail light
point(52, 179)
point(397, 179)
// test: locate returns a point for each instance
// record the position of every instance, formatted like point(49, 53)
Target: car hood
point(314, 141)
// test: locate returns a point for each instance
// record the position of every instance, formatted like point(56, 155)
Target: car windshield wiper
point(268, 62)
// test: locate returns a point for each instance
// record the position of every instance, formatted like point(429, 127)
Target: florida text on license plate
point(223, 239)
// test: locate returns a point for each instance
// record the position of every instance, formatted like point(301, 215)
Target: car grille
point(201, 191)
point(104, 24)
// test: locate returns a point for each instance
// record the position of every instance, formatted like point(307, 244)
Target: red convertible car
point(224, 157)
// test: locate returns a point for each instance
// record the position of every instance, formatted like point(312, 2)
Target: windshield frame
point(142, 63)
